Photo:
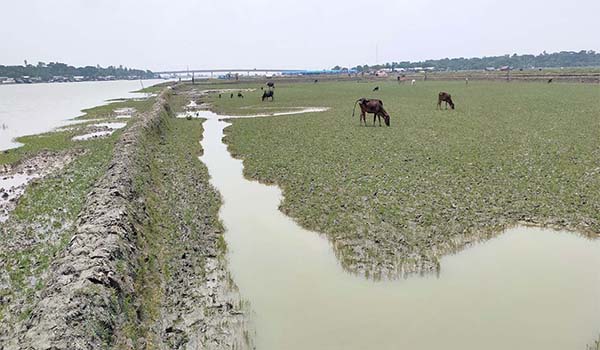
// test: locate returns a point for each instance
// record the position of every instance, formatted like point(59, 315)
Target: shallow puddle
point(92, 135)
point(528, 288)
point(11, 188)
point(111, 125)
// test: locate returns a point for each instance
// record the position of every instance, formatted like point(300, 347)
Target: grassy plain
point(393, 200)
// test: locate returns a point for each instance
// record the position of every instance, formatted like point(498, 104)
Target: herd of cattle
point(375, 107)
point(367, 105)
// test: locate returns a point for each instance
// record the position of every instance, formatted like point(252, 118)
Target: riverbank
point(40, 108)
point(137, 268)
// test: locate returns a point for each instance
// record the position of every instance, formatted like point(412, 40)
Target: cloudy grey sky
point(174, 34)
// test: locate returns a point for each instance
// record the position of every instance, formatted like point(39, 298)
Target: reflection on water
point(526, 289)
point(27, 109)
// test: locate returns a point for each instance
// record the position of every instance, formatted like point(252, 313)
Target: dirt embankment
point(100, 289)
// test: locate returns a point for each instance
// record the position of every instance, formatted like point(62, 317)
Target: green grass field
point(398, 198)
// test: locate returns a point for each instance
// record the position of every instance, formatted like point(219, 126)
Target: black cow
point(267, 94)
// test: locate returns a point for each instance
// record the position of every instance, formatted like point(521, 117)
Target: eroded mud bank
point(137, 270)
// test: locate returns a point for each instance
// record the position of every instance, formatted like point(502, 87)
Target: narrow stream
point(528, 288)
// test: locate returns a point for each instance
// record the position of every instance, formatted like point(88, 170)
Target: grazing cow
point(373, 106)
point(240, 95)
point(271, 85)
point(445, 97)
point(412, 82)
point(231, 95)
point(316, 81)
point(549, 80)
point(267, 94)
point(376, 88)
point(219, 95)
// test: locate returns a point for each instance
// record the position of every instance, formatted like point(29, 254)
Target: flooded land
point(32, 109)
point(498, 295)
point(195, 218)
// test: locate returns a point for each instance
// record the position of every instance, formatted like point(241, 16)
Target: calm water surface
point(27, 109)
point(526, 289)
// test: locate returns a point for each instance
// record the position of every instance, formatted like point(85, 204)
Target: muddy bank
point(113, 287)
point(15, 178)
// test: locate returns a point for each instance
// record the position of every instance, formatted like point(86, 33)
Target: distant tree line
point(47, 71)
point(544, 60)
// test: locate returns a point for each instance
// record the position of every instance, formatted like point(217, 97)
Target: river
point(27, 109)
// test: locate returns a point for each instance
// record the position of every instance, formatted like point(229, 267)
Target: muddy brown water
point(529, 288)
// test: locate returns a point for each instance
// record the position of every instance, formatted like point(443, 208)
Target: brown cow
point(373, 106)
point(445, 97)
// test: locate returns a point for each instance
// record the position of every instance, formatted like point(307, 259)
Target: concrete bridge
point(235, 70)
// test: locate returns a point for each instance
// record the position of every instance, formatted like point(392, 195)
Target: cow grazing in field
point(267, 94)
point(219, 95)
point(376, 88)
point(445, 97)
point(231, 96)
point(240, 95)
point(412, 82)
point(271, 85)
point(316, 81)
point(549, 80)
point(373, 106)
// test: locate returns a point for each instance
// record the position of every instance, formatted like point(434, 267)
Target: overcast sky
point(175, 34)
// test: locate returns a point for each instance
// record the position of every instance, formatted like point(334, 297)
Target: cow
point(271, 85)
point(412, 82)
point(316, 81)
point(231, 96)
point(373, 106)
point(445, 97)
point(219, 95)
point(240, 95)
point(549, 80)
point(376, 88)
point(267, 94)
